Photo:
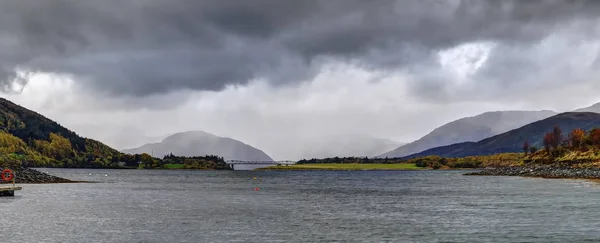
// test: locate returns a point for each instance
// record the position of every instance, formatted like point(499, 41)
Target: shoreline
point(546, 172)
point(63, 182)
point(32, 176)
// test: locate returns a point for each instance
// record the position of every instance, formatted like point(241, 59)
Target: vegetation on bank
point(577, 149)
point(352, 160)
point(496, 160)
point(345, 166)
point(434, 162)
point(196, 162)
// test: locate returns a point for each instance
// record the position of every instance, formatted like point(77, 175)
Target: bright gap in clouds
point(18, 83)
point(464, 60)
point(44, 91)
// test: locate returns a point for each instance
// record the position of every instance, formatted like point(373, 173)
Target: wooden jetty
point(8, 190)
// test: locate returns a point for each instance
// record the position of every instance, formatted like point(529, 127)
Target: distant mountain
point(513, 140)
point(593, 108)
point(30, 139)
point(199, 143)
point(470, 129)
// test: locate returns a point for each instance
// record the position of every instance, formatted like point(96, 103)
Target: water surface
point(312, 206)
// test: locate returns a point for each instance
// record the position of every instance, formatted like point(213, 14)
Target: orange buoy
point(7, 175)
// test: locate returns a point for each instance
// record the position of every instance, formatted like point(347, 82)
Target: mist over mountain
point(200, 143)
point(593, 108)
point(470, 129)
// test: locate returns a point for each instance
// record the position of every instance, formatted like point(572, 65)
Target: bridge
point(255, 162)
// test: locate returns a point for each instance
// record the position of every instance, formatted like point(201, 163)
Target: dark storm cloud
point(135, 47)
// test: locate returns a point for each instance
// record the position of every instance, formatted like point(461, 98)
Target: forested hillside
point(34, 140)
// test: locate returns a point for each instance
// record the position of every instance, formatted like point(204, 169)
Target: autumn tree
point(147, 160)
point(576, 138)
point(594, 137)
point(548, 141)
point(526, 147)
point(44, 147)
point(61, 146)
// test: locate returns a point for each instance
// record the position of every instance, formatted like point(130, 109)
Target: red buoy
point(7, 175)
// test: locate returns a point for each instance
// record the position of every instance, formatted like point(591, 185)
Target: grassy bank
point(353, 166)
point(174, 166)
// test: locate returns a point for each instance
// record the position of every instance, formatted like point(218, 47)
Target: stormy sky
point(279, 75)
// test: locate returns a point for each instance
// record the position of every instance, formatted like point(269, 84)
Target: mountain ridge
point(200, 143)
point(511, 141)
point(470, 129)
point(593, 108)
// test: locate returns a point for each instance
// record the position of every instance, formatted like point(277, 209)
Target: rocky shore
point(541, 171)
point(26, 175)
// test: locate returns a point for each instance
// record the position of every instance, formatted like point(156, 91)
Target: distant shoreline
point(343, 167)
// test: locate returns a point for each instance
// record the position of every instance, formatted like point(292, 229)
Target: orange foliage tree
point(576, 138)
point(548, 141)
point(594, 137)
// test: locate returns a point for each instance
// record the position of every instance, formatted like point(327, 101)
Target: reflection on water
point(312, 206)
point(249, 167)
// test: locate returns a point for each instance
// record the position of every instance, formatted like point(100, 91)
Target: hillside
point(512, 141)
point(199, 143)
point(470, 129)
point(34, 140)
point(593, 108)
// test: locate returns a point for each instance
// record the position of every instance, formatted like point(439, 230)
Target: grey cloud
point(7, 85)
point(142, 48)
